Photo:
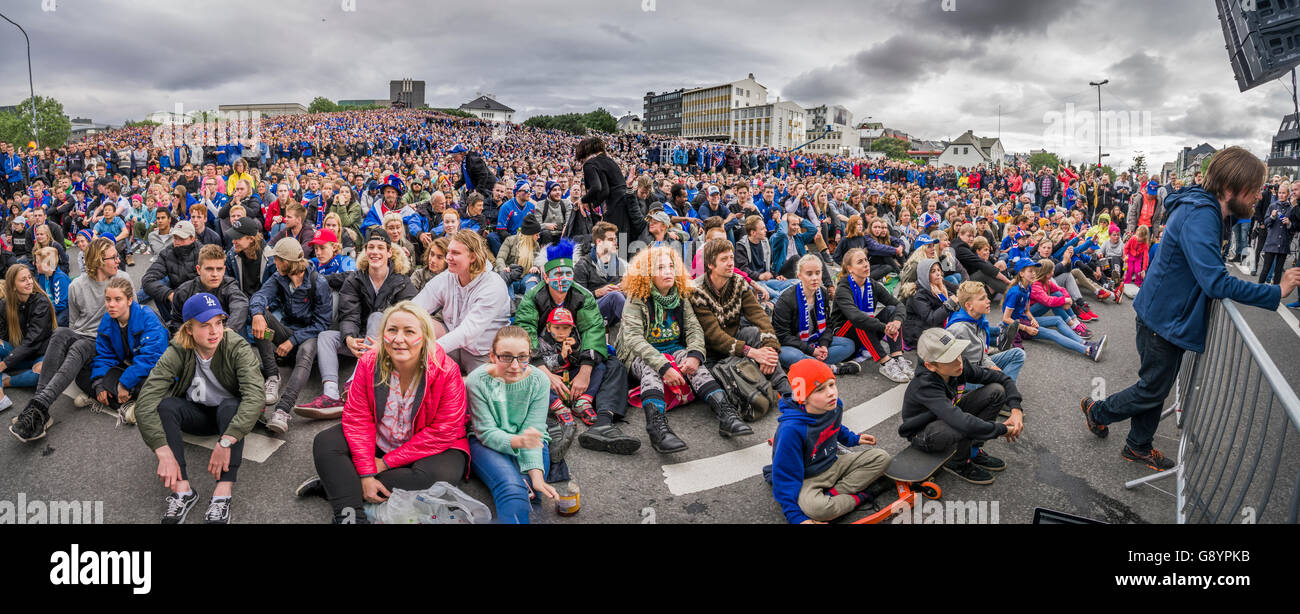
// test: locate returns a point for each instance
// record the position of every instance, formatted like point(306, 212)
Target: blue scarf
point(804, 334)
point(961, 315)
point(863, 297)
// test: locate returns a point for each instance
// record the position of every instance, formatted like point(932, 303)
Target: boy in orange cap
point(810, 481)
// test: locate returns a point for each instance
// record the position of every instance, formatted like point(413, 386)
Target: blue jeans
point(1010, 361)
point(611, 307)
point(522, 286)
point(1052, 328)
point(777, 286)
point(1240, 240)
point(841, 349)
point(1142, 402)
point(494, 242)
point(20, 375)
point(501, 474)
point(1040, 310)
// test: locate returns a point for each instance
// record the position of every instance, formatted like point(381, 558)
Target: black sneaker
point(218, 512)
point(608, 438)
point(1153, 459)
point(991, 463)
point(969, 471)
point(311, 487)
point(848, 367)
point(31, 425)
point(178, 507)
point(1099, 430)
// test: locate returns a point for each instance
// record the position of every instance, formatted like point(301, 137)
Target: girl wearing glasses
point(403, 424)
point(508, 399)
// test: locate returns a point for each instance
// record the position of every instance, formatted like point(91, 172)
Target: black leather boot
point(729, 422)
point(662, 438)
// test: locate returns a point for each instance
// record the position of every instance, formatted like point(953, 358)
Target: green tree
point(143, 122)
point(52, 125)
point(1044, 159)
point(1205, 164)
point(893, 148)
point(321, 104)
point(1139, 165)
point(455, 112)
point(601, 121)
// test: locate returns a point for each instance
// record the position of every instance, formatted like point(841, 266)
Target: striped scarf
point(863, 298)
point(819, 304)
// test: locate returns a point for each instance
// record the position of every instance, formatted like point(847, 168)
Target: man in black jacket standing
point(474, 173)
point(935, 419)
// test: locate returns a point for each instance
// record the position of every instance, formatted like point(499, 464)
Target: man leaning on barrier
point(1174, 303)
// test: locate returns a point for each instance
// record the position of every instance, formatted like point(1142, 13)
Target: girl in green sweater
point(508, 451)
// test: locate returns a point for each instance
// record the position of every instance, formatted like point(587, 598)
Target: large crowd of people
point(477, 297)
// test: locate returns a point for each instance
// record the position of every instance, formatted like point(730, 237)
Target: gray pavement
point(1057, 464)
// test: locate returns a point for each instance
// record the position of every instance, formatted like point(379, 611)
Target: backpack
point(749, 390)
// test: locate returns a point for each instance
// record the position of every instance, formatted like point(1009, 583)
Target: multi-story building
point(406, 93)
point(707, 111)
point(663, 113)
point(778, 124)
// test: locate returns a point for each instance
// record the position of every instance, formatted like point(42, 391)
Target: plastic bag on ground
point(441, 503)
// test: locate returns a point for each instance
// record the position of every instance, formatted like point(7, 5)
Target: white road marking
point(723, 469)
point(257, 447)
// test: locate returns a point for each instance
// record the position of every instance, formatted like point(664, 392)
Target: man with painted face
point(601, 381)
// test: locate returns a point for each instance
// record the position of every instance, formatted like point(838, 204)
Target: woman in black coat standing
point(606, 187)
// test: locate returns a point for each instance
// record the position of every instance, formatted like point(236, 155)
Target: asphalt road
point(1057, 464)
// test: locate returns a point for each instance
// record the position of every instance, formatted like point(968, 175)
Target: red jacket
point(1041, 293)
point(441, 422)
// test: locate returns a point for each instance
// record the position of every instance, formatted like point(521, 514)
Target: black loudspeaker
point(1263, 38)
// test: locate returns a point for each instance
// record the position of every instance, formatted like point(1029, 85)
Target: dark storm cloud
point(621, 33)
point(986, 17)
point(1221, 119)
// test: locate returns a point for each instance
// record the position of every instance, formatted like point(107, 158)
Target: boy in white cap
point(938, 413)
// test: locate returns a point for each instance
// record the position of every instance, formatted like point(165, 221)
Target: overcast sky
point(907, 63)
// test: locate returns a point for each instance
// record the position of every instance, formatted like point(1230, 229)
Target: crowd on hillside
point(477, 297)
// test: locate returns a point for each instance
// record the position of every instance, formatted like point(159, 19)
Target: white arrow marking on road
point(723, 469)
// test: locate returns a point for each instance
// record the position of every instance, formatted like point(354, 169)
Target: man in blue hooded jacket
point(1173, 306)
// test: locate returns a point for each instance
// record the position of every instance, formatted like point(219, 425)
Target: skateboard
point(911, 471)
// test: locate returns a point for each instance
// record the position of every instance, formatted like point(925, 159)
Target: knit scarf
point(863, 298)
point(665, 303)
point(819, 304)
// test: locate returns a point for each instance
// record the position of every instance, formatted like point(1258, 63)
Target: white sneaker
point(279, 422)
point(82, 401)
point(891, 372)
point(273, 390)
point(6, 403)
point(905, 367)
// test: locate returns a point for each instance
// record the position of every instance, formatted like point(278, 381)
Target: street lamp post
point(35, 137)
point(1098, 85)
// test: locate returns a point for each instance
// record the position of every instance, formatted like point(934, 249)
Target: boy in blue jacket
point(810, 481)
point(128, 343)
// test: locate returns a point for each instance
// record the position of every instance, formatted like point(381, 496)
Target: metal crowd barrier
point(1239, 449)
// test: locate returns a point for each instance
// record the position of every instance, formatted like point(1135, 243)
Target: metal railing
point(1239, 450)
